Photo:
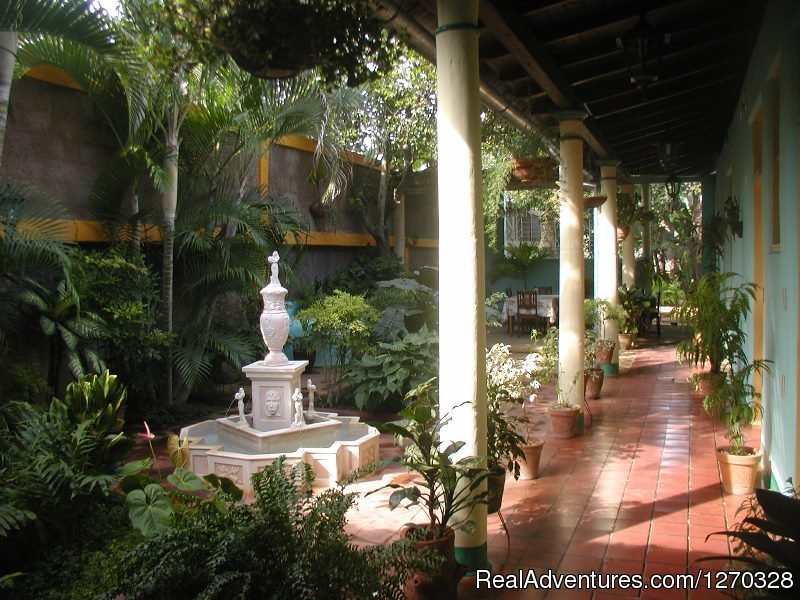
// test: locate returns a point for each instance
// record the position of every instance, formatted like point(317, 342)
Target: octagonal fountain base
point(333, 445)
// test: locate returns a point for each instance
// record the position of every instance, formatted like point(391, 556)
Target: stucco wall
point(775, 57)
point(56, 140)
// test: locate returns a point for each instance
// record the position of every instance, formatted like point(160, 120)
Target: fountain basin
point(334, 446)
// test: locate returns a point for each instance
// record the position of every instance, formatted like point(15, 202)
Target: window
point(526, 227)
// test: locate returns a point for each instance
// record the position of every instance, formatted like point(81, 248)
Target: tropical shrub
point(120, 287)
point(344, 323)
point(58, 459)
point(379, 380)
point(361, 275)
point(405, 305)
point(289, 543)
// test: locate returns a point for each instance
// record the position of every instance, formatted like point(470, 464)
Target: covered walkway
point(637, 493)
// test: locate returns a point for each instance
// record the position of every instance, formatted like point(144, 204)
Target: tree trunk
point(379, 232)
point(8, 54)
point(169, 204)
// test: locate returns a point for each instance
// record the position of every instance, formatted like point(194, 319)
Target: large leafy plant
point(715, 311)
point(289, 543)
point(56, 460)
point(380, 379)
point(447, 488)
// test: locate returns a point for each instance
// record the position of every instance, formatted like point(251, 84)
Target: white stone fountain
point(236, 447)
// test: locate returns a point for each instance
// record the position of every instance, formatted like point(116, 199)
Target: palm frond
point(75, 20)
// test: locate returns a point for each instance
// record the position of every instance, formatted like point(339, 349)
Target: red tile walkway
point(637, 493)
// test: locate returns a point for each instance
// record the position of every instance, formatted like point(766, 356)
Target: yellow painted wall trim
point(53, 75)
point(95, 231)
point(301, 142)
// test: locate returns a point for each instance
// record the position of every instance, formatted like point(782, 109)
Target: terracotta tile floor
point(636, 493)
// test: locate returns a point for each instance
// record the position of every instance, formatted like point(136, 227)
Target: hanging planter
point(623, 233)
point(341, 38)
point(535, 172)
point(590, 202)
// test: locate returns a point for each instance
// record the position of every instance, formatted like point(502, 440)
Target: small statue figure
point(240, 401)
point(311, 389)
point(273, 403)
point(299, 421)
point(273, 267)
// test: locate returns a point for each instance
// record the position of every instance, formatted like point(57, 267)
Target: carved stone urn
point(274, 320)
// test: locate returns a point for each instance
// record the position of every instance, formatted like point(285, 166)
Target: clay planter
point(536, 172)
point(739, 473)
point(563, 421)
point(590, 202)
point(622, 233)
point(529, 468)
point(604, 352)
point(625, 341)
point(496, 485)
point(444, 584)
point(593, 382)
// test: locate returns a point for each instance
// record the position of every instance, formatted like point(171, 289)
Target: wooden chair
point(546, 291)
point(527, 311)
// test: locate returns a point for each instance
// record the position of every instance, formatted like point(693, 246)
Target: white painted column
point(462, 321)
point(399, 227)
point(606, 281)
point(571, 265)
point(628, 258)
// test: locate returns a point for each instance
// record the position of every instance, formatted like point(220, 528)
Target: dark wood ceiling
point(540, 56)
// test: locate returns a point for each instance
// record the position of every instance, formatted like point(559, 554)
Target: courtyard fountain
point(239, 446)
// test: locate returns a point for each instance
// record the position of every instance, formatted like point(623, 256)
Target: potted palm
point(443, 489)
point(716, 310)
point(605, 348)
point(733, 400)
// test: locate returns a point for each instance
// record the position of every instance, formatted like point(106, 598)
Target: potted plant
point(633, 302)
point(626, 214)
point(733, 401)
point(604, 347)
point(518, 260)
point(444, 488)
point(345, 41)
point(563, 417)
point(593, 376)
point(715, 310)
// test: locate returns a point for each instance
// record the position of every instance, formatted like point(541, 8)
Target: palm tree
point(75, 20)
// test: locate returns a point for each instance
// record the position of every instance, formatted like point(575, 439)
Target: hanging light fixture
point(642, 48)
point(673, 187)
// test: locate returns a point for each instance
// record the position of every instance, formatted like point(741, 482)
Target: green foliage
point(547, 366)
point(117, 285)
point(715, 310)
point(634, 302)
point(344, 322)
point(343, 40)
point(72, 333)
point(24, 383)
point(289, 543)
point(380, 380)
point(362, 274)
point(404, 305)
point(57, 459)
point(518, 260)
point(626, 209)
point(447, 490)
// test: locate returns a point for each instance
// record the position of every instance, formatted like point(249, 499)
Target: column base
point(610, 369)
point(474, 558)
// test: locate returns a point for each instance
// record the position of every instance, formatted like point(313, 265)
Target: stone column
point(399, 227)
point(628, 258)
point(606, 282)
point(462, 321)
point(571, 266)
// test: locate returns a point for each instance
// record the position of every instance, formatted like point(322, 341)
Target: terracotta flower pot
point(593, 382)
point(622, 233)
point(625, 341)
point(563, 421)
point(444, 584)
point(604, 352)
point(739, 472)
point(529, 469)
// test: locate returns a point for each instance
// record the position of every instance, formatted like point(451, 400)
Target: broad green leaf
point(150, 510)
point(186, 481)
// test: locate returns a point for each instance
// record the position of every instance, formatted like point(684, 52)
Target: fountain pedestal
point(272, 392)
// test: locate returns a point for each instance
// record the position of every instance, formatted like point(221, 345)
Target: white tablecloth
point(546, 304)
